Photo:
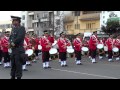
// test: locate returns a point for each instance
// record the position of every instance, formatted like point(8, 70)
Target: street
point(100, 70)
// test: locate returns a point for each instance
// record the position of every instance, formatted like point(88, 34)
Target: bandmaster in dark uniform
point(16, 44)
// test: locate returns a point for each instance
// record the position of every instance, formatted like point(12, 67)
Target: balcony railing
point(93, 16)
point(31, 13)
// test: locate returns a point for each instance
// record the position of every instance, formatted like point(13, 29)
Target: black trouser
point(45, 56)
point(78, 55)
point(6, 57)
point(62, 56)
point(26, 59)
point(93, 53)
point(36, 52)
point(1, 55)
point(16, 63)
point(110, 54)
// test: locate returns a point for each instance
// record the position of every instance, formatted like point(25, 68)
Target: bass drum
point(115, 49)
point(105, 48)
point(29, 52)
point(70, 52)
point(84, 50)
point(100, 46)
point(53, 53)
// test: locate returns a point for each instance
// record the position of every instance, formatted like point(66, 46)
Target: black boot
point(12, 77)
point(18, 77)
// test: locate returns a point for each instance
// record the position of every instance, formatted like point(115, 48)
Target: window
point(32, 25)
point(58, 13)
point(45, 15)
point(77, 13)
point(37, 24)
point(103, 21)
point(90, 25)
point(23, 17)
point(77, 26)
point(103, 16)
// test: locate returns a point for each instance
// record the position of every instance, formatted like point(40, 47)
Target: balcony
point(31, 13)
point(44, 19)
point(68, 19)
point(92, 16)
point(35, 21)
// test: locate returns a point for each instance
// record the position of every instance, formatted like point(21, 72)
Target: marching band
point(46, 44)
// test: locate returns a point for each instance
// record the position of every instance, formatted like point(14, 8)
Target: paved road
point(101, 70)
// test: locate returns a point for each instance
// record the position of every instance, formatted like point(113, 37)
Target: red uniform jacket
point(29, 45)
point(93, 42)
point(61, 43)
point(46, 41)
point(77, 44)
point(117, 43)
point(0, 45)
point(109, 43)
point(37, 43)
point(4, 44)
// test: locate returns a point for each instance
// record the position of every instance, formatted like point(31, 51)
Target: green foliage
point(112, 27)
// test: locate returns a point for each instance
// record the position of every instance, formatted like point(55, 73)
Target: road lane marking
point(85, 73)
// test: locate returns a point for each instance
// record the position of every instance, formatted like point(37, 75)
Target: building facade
point(38, 21)
point(82, 21)
point(105, 15)
point(5, 25)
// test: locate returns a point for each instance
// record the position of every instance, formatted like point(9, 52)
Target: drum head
point(100, 46)
point(29, 52)
point(69, 47)
point(55, 42)
point(115, 49)
point(85, 49)
point(70, 50)
point(53, 51)
point(105, 48)
point(39, 47)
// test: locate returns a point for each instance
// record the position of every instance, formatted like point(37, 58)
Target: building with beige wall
point(82, 21)
point(5, 25)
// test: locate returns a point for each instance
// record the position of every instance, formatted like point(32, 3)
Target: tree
point(112, 27)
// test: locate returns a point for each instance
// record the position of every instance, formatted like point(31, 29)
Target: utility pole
point(53, 23)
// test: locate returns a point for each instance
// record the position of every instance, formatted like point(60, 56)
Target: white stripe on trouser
point(64, 62)
point(44, 65)
point(93, 60)
point(47, 64)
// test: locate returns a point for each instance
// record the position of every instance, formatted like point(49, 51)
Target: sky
point(5, 15)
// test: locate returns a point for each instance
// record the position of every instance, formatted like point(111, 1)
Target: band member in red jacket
point(5, 47)
point(77, 46)
point(117, 44)
point(1, 53)
point(46, 43)
point(93, 46)
point(28, 46)
point(62, 45)
point(36, 48)
point(109, 44)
